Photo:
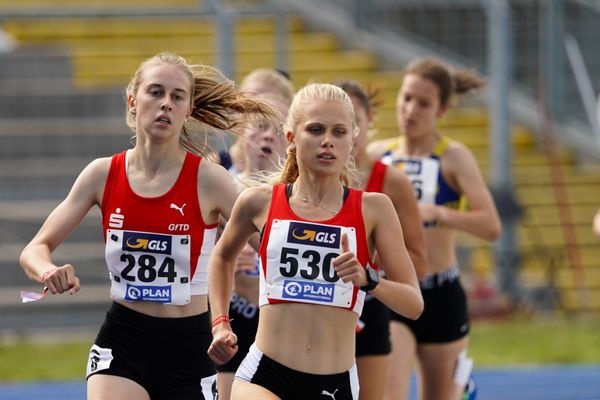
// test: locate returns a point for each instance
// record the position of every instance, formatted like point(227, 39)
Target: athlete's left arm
point(481, 219)
point(400, 291)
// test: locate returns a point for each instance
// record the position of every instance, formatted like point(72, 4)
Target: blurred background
point(64, 65)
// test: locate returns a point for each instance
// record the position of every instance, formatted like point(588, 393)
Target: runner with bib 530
point(318, 239)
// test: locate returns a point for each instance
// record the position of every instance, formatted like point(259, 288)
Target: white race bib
point(148, 266)
point(422, 173)
point(299, 263)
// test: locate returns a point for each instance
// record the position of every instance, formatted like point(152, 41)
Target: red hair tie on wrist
point(219, 320)
point(27, 296)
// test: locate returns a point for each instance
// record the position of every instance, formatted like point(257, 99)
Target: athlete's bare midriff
point(308, 338)
point(440, 246)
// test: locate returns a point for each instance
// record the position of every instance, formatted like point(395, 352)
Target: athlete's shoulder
point(377, 208)
point(98, 169)
point(447, 146)
point(91, 182)
point(212, 176)
point(375, 199)
point(258, 193)
point(378, 148)
point(458, 153)
point(209, 167)
point(256, 198)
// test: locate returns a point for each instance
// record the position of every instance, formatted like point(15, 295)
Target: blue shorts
point(166, 356)
point(445, 317)
point(289, 384)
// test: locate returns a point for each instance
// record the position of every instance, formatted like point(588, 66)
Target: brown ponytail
point(449, 81)
point(368, 98)
point(289, 174)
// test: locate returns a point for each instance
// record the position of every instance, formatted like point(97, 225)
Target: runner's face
point(266, 145)
point(323, 137)
point(162, 102)
point(418, 106)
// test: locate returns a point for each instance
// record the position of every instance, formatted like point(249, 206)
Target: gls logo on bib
point(146, 242)
point(315, 235)
point(411, 167)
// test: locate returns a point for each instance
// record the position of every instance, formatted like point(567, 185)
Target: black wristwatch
point(372, 279)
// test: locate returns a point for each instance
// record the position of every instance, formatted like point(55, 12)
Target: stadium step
point(94, 4)
point(60, 30)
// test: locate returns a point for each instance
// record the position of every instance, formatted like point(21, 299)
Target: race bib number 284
point(149, 267)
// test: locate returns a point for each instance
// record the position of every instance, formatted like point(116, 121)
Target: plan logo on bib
point(313, 291)
point(159, 294)
point(314, 235)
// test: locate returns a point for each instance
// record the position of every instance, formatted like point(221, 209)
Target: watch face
point(373, 275)
point(372, 279)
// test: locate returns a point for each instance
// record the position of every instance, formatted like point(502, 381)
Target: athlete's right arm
point(247, 217)
point(36, 257)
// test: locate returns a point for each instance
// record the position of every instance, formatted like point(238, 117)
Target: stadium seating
point(96, 56)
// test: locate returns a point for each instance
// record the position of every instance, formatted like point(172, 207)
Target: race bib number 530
point(299, 263)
